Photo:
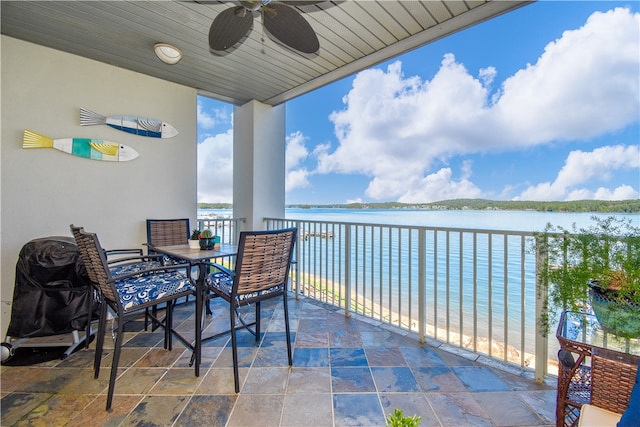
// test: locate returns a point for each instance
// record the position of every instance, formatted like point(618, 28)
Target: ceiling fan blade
point(229, 27)
point(289, 27)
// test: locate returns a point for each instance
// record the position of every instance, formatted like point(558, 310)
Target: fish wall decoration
point(142, 126)
point(95, 149)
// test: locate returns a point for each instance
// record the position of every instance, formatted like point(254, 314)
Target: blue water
point(484, 219)
point(501, 284)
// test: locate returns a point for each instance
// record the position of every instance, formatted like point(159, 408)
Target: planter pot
point(206, 243)
point(618, 318)
point(194, 244)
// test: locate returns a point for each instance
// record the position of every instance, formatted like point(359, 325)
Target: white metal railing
point(473, 289)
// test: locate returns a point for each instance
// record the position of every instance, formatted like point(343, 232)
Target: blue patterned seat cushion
point(224, 283)
point(142, 289)
point(221, 281)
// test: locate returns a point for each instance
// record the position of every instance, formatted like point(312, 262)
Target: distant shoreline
point(594, 206)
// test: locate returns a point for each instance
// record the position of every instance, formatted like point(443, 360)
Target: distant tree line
point(215, 206)
point(611, 206)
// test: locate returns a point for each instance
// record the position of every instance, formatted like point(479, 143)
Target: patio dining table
point(198, 258)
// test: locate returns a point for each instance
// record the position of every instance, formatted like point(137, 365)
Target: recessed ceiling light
point(167, 53)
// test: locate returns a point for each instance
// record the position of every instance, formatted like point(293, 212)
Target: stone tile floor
point(346, 372)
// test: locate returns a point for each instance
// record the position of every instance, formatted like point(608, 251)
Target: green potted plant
point(206, 239)
point(194, 240)
point(598, 267)
point(398, 419)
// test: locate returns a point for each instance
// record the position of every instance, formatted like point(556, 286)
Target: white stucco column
point(258, 163)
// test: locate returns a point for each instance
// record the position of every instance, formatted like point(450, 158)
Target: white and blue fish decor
point(95, 149)
point(142, 126)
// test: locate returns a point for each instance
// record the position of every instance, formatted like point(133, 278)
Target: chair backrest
point(167, 232)
point(613, 375)
point(95, 261)
point(263, 260)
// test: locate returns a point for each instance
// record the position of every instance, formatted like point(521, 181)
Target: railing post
point(236, 229)
point(422, 285)
point(542, 341)
point(347, 271)
point(297, 260)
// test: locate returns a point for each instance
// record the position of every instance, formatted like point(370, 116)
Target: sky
point(542, 103)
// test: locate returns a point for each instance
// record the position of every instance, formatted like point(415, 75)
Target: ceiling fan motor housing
point(254, 6)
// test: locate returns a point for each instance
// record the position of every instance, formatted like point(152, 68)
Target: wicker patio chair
point(613, 375)
point(129, 293)
point(574, 386)
point(261, 272)
point(121, 261)
point(166, 232)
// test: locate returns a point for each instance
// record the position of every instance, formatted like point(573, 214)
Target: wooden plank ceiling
point(353, 35)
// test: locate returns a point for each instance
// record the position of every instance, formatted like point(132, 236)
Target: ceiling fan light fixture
point(167, 53)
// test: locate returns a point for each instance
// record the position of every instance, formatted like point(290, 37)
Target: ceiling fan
point(279, 18)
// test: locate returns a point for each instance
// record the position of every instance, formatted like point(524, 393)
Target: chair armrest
point(137, 255)
point(142, 258)
point(222, 268)
point(160, 269)
point(123, 251)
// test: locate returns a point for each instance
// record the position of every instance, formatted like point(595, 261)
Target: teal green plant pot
point(621, 319)
point(206, 243)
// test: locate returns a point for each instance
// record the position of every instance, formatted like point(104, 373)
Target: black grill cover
point(52, 289)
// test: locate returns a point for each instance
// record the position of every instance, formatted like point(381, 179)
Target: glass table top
point(584, 328)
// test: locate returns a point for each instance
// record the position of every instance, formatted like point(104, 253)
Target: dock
point(322, 234)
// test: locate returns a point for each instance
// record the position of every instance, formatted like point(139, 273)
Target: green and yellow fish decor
point(141, 126)
point(88, 148)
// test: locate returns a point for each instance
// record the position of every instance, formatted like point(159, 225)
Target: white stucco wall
point(45, 190)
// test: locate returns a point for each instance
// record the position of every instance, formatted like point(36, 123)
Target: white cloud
point(209, 119)
point(440, 186)
point(581, 168)
point(584, 84)
point(396, 128)
point(296, 153)
point(624, 192)
point(298, 178)
point(487, 75)
point(215, 168)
